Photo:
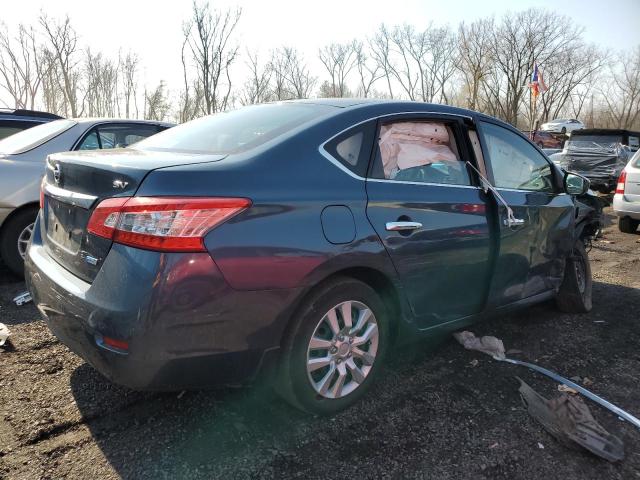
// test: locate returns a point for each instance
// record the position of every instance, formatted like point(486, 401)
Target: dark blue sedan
point(303, 238)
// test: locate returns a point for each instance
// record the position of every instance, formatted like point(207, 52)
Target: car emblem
point(120, 184)
point(57, 174)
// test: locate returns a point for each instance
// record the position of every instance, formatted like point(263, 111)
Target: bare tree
point(339, 60)
point(292, 77)
point(368, 72)
point(622, 92)
point(157, 105)
point(475, 57)
point(63, 43)
point(380, 47)
point(20, 66)
point(129, 80)
point(100, 86)
point(257, 88)
point(208, 36)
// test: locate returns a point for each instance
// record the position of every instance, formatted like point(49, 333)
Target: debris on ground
point(490, 345)
point(4, 334)
point(494, 347)
point(24, 297)
point(565, 389)
point(569, 420)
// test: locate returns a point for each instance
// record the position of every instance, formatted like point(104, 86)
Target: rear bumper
point(622, 207)
point(185, 327)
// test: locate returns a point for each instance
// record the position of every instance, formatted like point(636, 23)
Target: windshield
point(235, 130)
point(34, 137)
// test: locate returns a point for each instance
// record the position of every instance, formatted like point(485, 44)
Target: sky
point(153, 29)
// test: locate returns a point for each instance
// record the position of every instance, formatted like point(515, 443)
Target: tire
point(628, 224)
point(11, 232)
point(303, 389)
point(540, 145)
point(575, 291)
point(564, 130)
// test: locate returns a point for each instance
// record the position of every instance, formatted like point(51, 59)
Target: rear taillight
point(621, 181)
point(168, 224)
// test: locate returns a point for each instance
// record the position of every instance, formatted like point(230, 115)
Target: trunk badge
point(57, 174)
point(89, 259)
point(120, 184)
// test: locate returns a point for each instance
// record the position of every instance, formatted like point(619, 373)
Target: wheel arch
point(381, 283)
point(14, 213)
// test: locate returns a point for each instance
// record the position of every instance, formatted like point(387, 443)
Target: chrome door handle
point(512, 222)
point(402, 226)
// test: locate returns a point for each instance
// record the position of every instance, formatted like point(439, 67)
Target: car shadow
point(238, 433)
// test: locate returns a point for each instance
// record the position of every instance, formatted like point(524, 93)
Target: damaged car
point(300, 240)
point(598, 154)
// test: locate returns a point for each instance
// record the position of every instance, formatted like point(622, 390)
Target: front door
point(430, 215)
point(532, 253)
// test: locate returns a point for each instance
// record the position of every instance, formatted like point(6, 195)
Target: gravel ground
point(437, 412)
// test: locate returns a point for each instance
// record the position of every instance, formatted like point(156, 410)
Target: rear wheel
point(628, 224)
point(575, 292)
point(335, 349)
point(16, 235)
point(563, 131)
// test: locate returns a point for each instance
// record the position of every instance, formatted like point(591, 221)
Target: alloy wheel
point(342, 349)
point(24, 238)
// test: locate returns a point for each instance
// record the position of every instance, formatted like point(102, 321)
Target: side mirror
point(575, 184)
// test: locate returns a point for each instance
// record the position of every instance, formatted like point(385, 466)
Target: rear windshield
point(635, 161)
point(34, 137)
point(236, 130)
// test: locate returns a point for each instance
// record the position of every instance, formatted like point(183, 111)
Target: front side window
point(419, 151)
point(515, 163)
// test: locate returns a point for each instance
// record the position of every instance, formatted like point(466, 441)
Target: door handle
point(402, 226)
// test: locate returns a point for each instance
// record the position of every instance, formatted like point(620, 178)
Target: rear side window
point(419, 151)
point(515, 163)
point(353, 148)
point(116, 136)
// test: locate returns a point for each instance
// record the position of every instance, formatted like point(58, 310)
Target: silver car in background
point(22, 163)
point(562, 125)
point(626, 201)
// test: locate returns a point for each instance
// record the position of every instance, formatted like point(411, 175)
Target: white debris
point(24, 297)
point(4, 333)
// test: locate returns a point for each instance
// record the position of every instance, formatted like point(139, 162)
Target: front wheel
point(335, 347)
point(574, 295)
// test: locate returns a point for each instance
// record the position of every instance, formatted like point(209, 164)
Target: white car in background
point(626, 201)
point(563, 125)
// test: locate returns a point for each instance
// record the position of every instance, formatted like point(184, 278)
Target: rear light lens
point(168, 224)
point(621, 181)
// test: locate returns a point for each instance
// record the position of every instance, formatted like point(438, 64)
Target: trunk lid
point(75, 182)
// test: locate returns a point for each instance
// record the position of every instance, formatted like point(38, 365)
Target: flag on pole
point(537, 82)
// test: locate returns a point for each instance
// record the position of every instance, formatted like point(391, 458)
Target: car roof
point(603, 131)
point(92, 120)
point(24, 114)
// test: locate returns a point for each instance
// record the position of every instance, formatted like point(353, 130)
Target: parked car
point(551, 151)
point(22, 160)
point(598, 154)
point(626, 201)
point(545, 139)
point(562, 125)
point(302, 238)
point(14, 121)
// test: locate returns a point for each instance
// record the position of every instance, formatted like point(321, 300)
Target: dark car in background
point(545, 139)
point(302, 239)
point(22, 160)
point(598, 154)
point(14, 121)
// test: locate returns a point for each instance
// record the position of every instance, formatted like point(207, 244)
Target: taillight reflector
point(162, 223)
point(621, 181)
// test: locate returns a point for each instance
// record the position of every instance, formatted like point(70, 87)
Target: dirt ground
point(437, 412)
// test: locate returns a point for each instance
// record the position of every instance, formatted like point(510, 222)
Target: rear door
point(431, 215)
point(532, 253)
